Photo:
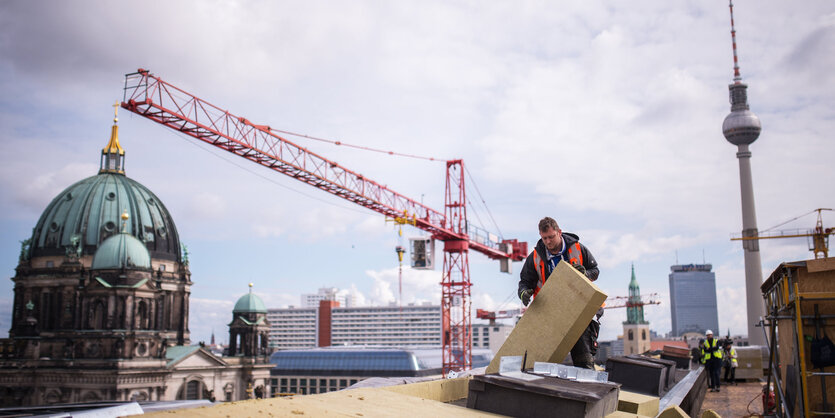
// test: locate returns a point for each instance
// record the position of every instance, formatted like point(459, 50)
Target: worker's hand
point(526, 296)
point(580, 268)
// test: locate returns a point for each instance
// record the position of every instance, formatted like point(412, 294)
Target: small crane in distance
point(818, 237)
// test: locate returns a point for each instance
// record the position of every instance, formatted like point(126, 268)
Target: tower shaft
point(753, 264)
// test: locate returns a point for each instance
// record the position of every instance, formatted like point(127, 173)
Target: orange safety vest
point(575, 256)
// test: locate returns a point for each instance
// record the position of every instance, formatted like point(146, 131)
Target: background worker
point(729, 360)
point(713, 360)
point(554, 246)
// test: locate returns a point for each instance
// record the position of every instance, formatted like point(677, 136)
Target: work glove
point(580, 268)
point(526, 295)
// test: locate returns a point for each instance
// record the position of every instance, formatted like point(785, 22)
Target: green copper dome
point(250, 302)
point(88, 212)
point(121, 251)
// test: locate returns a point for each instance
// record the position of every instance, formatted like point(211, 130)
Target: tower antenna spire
point(737, 77)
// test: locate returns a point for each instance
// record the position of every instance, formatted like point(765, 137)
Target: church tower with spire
point(635, 329)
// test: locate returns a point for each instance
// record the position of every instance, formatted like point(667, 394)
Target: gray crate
point(638, 375)
point(542, 397)
point(669, 364)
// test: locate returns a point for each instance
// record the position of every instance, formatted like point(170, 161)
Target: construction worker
point(713, 360)
point(554, 246)
point(729, 360)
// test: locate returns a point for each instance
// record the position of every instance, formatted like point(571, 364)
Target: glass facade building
point(321, 370)
point(693, 299)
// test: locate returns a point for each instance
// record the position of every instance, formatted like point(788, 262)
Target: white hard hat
point(708, 332)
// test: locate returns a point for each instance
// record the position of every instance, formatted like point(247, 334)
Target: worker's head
point(709, 334)
point(551, 234)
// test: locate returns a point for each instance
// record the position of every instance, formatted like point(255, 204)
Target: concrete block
point(750, 360)
point(555, 319)
point(673, 412)
point(638, 404)
point(710, 414)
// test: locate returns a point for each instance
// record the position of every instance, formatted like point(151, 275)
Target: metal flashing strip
point(678, 392)
point(569, 372)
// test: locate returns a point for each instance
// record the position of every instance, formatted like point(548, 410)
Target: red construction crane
point(492, 316)
point(149, 96)
point(625, 302)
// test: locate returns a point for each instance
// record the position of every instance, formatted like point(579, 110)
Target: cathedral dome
point(121, 251)
point(85, 214)
point(250, 302)
point(88, 212)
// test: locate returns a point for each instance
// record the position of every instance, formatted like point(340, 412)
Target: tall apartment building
point(693, 299)
point(329, 324)
point(390, 326)
point(311, 300)
point(490, 336)
point(293, 328)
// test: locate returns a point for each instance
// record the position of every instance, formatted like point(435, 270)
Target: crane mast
point(151, 97)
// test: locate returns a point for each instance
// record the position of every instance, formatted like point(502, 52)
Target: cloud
point(207, 316)
point(35, 192)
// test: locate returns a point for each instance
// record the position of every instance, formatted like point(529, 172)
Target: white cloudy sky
point(606, 117)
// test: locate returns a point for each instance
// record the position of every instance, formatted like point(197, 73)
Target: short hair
point(546, 223)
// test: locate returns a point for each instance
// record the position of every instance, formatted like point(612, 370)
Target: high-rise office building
point(693, 299)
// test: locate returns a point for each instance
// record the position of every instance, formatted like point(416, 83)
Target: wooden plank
point(820, 264)
point(555, 319)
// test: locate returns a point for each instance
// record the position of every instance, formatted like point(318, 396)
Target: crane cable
point(478, 192)
point(792, 219)
point(354, 146)
point(360, 147)
point(197, 143)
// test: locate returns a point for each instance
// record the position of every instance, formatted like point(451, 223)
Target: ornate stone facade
point(101, 304)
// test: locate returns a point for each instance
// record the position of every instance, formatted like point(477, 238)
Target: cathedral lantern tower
point(249, 329)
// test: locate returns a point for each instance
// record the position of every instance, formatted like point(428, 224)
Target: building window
point(631, 336)
point(194, 390)
point(643, 334)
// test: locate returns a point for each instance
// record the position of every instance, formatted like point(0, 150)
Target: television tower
point(742, 127)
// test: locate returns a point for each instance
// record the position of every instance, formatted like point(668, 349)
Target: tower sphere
point(741, 127)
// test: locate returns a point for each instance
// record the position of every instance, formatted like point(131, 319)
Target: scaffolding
point(799, 299)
